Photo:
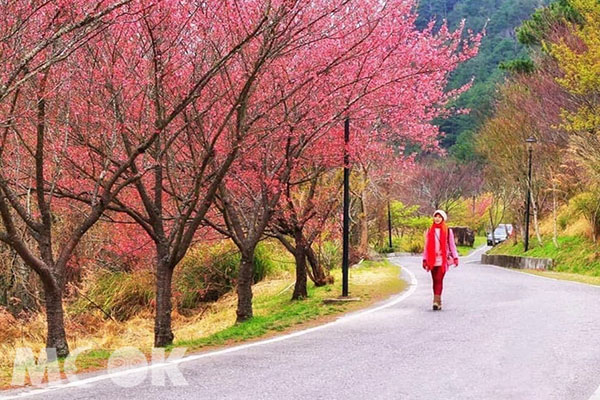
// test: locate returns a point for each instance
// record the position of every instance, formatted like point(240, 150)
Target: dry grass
point(579, 227)
point(94, 331)
point(576, 225)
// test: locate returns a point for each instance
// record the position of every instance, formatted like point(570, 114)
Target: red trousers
point(437, 274)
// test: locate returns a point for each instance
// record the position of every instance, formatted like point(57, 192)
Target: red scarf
point(430, 251)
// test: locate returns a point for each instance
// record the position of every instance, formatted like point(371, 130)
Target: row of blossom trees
point(165, 117)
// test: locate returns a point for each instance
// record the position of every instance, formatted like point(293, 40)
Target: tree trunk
point(536, 224)
point(163, 335)
point(300, 291)
point(56, 339)
point(492, 227)
point(244, 286)
point(363, 246)
point(318, 272)
point(554, 214)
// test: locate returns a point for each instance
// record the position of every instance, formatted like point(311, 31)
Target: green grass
point(465, 250)
point(370, 281)
point(480, 241)
point(574, 254)
point(92, 359)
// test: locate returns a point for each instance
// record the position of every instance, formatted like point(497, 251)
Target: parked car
point(501, 233)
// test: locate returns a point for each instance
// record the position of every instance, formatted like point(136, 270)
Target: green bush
point(588, 204)
point(208, 272)
point(120, 294)
point(411, 242)
point(264, 261)
point(563, 221)
point(570, 212)
point(331, 254)
point(384, 248)
point(415, 245)
point(419, 223)
point(205, 274)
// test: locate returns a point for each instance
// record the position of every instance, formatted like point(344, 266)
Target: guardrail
point(517, 261)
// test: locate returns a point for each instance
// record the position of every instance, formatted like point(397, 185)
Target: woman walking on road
point(439, 253)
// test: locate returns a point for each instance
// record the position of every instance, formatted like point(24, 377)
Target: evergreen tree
point(500, 19)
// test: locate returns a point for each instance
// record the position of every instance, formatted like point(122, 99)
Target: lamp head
point(530, 141)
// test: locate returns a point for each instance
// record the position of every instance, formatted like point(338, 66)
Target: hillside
point(500, 18)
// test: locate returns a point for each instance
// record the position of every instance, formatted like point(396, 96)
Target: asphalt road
point(501, 335)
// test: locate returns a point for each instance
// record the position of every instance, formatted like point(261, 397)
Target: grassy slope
point(577, 258)
point(215, 326)
point(574, 254)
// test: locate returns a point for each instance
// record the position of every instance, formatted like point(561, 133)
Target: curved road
point(501, 335)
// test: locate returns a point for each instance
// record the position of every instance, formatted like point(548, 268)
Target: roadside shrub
point(121, 295)
point(568, 214)
point(209, 271)
point(563, 221)
point(588, 204)
point(411, 242)
point(205, 274)
point(10, 327)
point(384, 248)
point(265, 264)
point(415, 245)
point(331, 254)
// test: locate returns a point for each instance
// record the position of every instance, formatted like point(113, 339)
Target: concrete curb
point(392, 255)
point(517, 261)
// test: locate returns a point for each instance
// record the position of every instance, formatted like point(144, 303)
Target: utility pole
point(530, 141)
point(346, 227)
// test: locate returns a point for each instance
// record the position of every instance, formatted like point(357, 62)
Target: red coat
point(450, 250)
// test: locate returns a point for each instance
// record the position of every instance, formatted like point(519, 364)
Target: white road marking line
point(84, 382)
point(596, 394)
point(476, 252)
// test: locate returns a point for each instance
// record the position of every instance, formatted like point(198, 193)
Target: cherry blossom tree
point(303, 213)
point(35, 40)
point(440, 184)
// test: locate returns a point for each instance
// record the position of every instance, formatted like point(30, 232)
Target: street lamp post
point(390, 227)
point(346, 222)
point(530, 141)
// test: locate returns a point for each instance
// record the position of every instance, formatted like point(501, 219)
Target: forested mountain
point(499, 18)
